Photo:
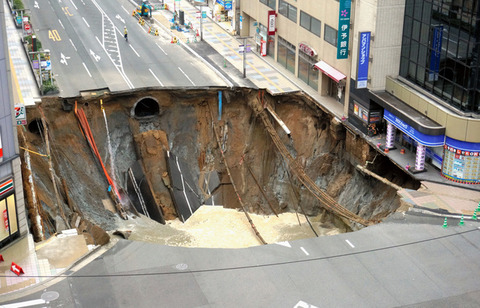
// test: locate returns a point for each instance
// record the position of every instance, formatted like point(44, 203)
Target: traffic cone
point(461, 223)
point(198, 34)
point(171, 42)
point(149, 29)
point(445, 223)
point(474, 217)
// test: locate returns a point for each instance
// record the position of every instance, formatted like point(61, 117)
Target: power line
point(248, 266)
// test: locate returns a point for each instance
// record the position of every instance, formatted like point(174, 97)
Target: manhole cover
point(50, 296)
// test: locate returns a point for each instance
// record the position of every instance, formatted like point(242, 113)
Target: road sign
point(27, 26)
point(241, 48)
point(46, 65)
point(198, 15)
point(16, 269)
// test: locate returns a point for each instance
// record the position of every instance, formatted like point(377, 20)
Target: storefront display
point(460, 165)
point(9, 226)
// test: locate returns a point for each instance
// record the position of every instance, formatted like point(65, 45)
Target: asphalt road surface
point(88, 50)
point(408, 261)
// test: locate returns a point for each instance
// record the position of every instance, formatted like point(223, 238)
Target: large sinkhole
point(185, 163)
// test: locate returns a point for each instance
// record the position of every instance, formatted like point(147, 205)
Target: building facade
point(304, 41)
point(427, 101)
point(12, 207)
point(411, 70)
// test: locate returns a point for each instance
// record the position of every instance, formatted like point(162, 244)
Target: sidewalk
point(23, 80)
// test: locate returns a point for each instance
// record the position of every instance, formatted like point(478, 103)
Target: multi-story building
point(304, 41)
point(12, 208)
point(410, 70)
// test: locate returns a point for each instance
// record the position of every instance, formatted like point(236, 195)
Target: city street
point(88, 51)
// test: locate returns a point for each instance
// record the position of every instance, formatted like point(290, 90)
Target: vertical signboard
point(271, 22)
point(435, 53)
point(227, 5)
point(20, 114)
point(363, 56)
point(343, 29)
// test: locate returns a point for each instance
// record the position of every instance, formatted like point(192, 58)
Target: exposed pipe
point(261, 190)
point(32, 203)
point(277, 118)
point(233, 183)
point(383, 180)
point(59, 204)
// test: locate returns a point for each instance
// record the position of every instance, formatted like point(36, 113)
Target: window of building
point(287, 10)
point(330, 35)
point(286, 54)
point(270, 3)
point(438, 51)
point(310, 23)
point(306, 71)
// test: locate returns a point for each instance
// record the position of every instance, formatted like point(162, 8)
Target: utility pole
point(244, 38)
point(200, 4)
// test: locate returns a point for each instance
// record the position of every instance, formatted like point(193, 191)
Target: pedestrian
point(125, 32)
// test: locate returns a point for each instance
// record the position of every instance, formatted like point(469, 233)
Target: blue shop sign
point(363, 58)
point(428, 140)
point(462, 145)
point(228, 5)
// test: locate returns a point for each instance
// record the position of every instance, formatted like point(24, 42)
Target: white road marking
point(156, 77)
point(74, 5)
point(63, 59)
point(60, 22)
point(134, 50)
point(34, 302)
point(125, 10)
point(87, 69)
point(71, 42)
point(302, 304)
point(303, 249)
point(86, 22)
point(161, 49)
point(119, 17)
point(285, 244)
point(348, 242)
point(141, 27)
point(186, 75)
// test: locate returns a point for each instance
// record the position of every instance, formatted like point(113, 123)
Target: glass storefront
point(9, 225)
point(286, 54)
point(441, 48)
point(306, 71)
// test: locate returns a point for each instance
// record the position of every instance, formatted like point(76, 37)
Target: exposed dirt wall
point(184, 125)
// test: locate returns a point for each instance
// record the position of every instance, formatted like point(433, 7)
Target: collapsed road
point(163, 154)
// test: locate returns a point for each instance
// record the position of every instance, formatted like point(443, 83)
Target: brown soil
point(183, 124)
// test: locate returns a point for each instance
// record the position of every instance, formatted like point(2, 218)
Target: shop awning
point(330, 71)
point(411, 122)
